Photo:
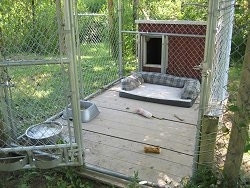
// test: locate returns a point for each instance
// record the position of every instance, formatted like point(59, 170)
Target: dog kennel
point(173, 47)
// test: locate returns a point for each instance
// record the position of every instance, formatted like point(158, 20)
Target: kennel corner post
point(75, 95)
point(206, 67)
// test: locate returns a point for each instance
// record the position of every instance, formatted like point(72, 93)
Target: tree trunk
point(2, 132)
point(135, 12)
point(34, 41)
point(241, 121)
point(113, 34)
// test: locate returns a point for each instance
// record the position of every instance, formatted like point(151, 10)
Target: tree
point(240, 32)
point(113, 33)
point(135, 12)
point(240, 126)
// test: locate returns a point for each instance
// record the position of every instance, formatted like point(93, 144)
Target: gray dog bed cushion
point(178, 91)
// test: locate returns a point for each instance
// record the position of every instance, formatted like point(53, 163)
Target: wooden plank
point(187, 149)
point(125, 145)
point(148, 166)
point(135, 120)
point(166, 138)
point(129, 162)
point(111, 99)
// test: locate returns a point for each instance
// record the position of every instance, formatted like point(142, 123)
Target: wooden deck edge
point(105, 179)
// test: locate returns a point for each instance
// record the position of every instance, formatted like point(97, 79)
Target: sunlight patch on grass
point(41, 94)
point(98, 68)
point(234, 82)
point(86, 57)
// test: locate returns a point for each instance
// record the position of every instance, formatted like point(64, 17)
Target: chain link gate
point(38, 80)
point(97, 41)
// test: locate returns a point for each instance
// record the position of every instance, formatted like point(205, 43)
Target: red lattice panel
point(183, 54)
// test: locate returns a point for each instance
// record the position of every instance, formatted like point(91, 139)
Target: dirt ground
point(222, 145)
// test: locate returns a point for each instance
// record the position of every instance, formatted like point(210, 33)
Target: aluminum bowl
point(88, 111)
point(46, 133)
point(13, 163)
point(47, 161)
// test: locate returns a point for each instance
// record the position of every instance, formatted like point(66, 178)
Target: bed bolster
point(191, 89)
point(163, 79)
point(131, 82)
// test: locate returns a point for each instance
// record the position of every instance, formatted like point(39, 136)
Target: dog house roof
point(180, 22)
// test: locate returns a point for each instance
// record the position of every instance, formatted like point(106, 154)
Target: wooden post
point(209, 130)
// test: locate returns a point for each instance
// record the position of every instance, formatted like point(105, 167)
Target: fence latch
point(198, 67)
point(203, 67)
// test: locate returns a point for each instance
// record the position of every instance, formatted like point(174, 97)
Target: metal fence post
point(71, 51)
point(206, 77)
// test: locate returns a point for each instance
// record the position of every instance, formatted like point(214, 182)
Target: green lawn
point(233, 82)
point(41, 91)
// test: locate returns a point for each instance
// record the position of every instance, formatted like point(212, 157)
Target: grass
point(60, 177)
point(234, 82)
point(41, 91)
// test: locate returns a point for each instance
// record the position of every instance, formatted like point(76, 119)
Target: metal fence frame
point(71, 153)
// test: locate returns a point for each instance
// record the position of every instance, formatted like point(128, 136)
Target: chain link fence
point(238, 45)
point(36, 79)
point(225, 53)
point(221, 57)
point(98, 45)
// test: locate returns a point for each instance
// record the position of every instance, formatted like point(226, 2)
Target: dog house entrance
point(154, 52)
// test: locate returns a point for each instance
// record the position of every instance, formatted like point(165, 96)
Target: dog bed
point(160, 88)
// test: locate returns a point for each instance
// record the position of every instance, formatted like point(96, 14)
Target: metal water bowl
point(88, 111)
point(46, 160)
point(12, 163)
point(45, 133)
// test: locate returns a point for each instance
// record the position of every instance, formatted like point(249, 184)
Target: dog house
point(173, 47)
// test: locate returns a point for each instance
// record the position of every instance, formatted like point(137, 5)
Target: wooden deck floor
point(115, 139)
